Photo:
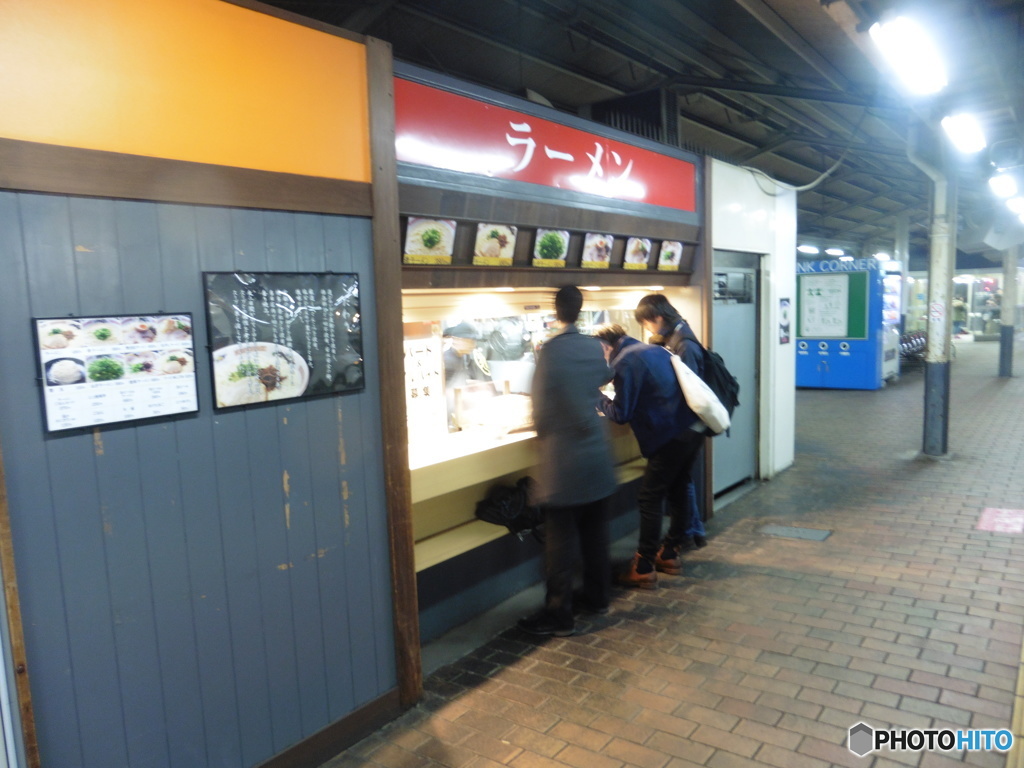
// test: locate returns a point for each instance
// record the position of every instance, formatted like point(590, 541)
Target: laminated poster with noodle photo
point(429, 241)
point(670, 255)
point(495, 245)
point(550, 248)
point(116, 368)
point(638, 251)
point(597, 251)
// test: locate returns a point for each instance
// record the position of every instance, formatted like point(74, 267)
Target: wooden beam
point(34, 167)
point(387, 255)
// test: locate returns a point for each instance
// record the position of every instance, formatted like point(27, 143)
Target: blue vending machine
point(842, 332)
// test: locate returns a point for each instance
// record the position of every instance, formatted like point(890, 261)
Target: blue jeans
point(665, 484)
point(696, 520)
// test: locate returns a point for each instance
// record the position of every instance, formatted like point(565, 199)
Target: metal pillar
point(941, 265)
point(1008, 311)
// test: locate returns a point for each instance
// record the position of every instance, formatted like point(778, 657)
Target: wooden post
point(388, 290)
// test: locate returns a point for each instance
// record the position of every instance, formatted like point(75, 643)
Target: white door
point(735, 338)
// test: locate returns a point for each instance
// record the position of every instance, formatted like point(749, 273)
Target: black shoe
point(541, 624)
point(580, 604)
point(699, 542)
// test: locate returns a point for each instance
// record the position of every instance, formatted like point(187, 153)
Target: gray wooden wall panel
point(187, 237)
point(211, 577)
point(203, 590)
point(324, 468)
point(121, 458)
point(372, 476)
point(37, 528)
point(78, 511)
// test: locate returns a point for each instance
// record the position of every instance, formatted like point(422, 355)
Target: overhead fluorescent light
point(846, 258)
point(835, 252)
point(965, 132)
point(881, 256)
point(909, 50)
point(810, 249)
point(1003, 185)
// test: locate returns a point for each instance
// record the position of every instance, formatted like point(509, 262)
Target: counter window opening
point(469, 362)
point(473, 374)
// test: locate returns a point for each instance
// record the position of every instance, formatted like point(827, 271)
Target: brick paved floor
point(767, 649)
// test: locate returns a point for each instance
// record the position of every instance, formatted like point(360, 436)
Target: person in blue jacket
point(670, 436)
point(668, 329)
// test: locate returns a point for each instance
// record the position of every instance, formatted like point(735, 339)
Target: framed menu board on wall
point(115, 368)
point(283, 335)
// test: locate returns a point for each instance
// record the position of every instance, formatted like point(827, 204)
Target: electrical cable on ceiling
point(811, 185)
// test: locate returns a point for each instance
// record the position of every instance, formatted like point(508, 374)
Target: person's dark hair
point(568, 303)
point(656, 305)
point(610, 333)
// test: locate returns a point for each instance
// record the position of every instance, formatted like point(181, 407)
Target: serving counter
point(466, 396)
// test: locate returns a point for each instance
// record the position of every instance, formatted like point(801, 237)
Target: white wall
point(751, 214)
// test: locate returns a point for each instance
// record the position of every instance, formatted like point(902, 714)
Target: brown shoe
point(668, 561)
point(640, 573)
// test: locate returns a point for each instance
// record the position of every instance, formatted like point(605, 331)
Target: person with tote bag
point(670, 436)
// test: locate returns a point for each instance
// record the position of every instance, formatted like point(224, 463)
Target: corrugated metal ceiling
point(789, 87)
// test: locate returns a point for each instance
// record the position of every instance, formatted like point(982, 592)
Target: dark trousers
point(564, 528)
point(664, 484)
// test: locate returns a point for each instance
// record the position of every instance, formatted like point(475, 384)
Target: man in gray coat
point(575, 473)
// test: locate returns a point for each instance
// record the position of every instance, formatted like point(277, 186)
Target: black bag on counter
point(509, 505)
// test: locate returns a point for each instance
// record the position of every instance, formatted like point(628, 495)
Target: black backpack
point(717, 376)
point(509, 505)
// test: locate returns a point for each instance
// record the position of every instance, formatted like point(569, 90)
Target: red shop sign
point(440, 129)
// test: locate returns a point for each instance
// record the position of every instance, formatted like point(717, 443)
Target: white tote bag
point(699, 396)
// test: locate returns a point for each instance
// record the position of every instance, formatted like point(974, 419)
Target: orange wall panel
point(197, 80)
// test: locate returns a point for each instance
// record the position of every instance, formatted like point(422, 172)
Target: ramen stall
point(502, 201)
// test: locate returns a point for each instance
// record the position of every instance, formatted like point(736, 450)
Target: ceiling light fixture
point(846, 258)
point(1003, 185)
point(912, 54)
point(836, 252)
point(1016, 204)
point(965, 132)
point(809, 249)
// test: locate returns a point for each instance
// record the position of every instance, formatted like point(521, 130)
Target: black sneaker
point(542, 624)
point(699, 542)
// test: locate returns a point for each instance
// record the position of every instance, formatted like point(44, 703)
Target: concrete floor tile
point(768, 649)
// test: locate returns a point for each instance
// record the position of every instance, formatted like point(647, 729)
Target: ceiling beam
point(785, 92)
point(775, 24)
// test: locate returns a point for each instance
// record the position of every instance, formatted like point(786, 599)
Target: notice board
point(832, 305)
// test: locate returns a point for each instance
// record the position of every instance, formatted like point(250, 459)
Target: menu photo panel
point(115, 368)
point(283, 335)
